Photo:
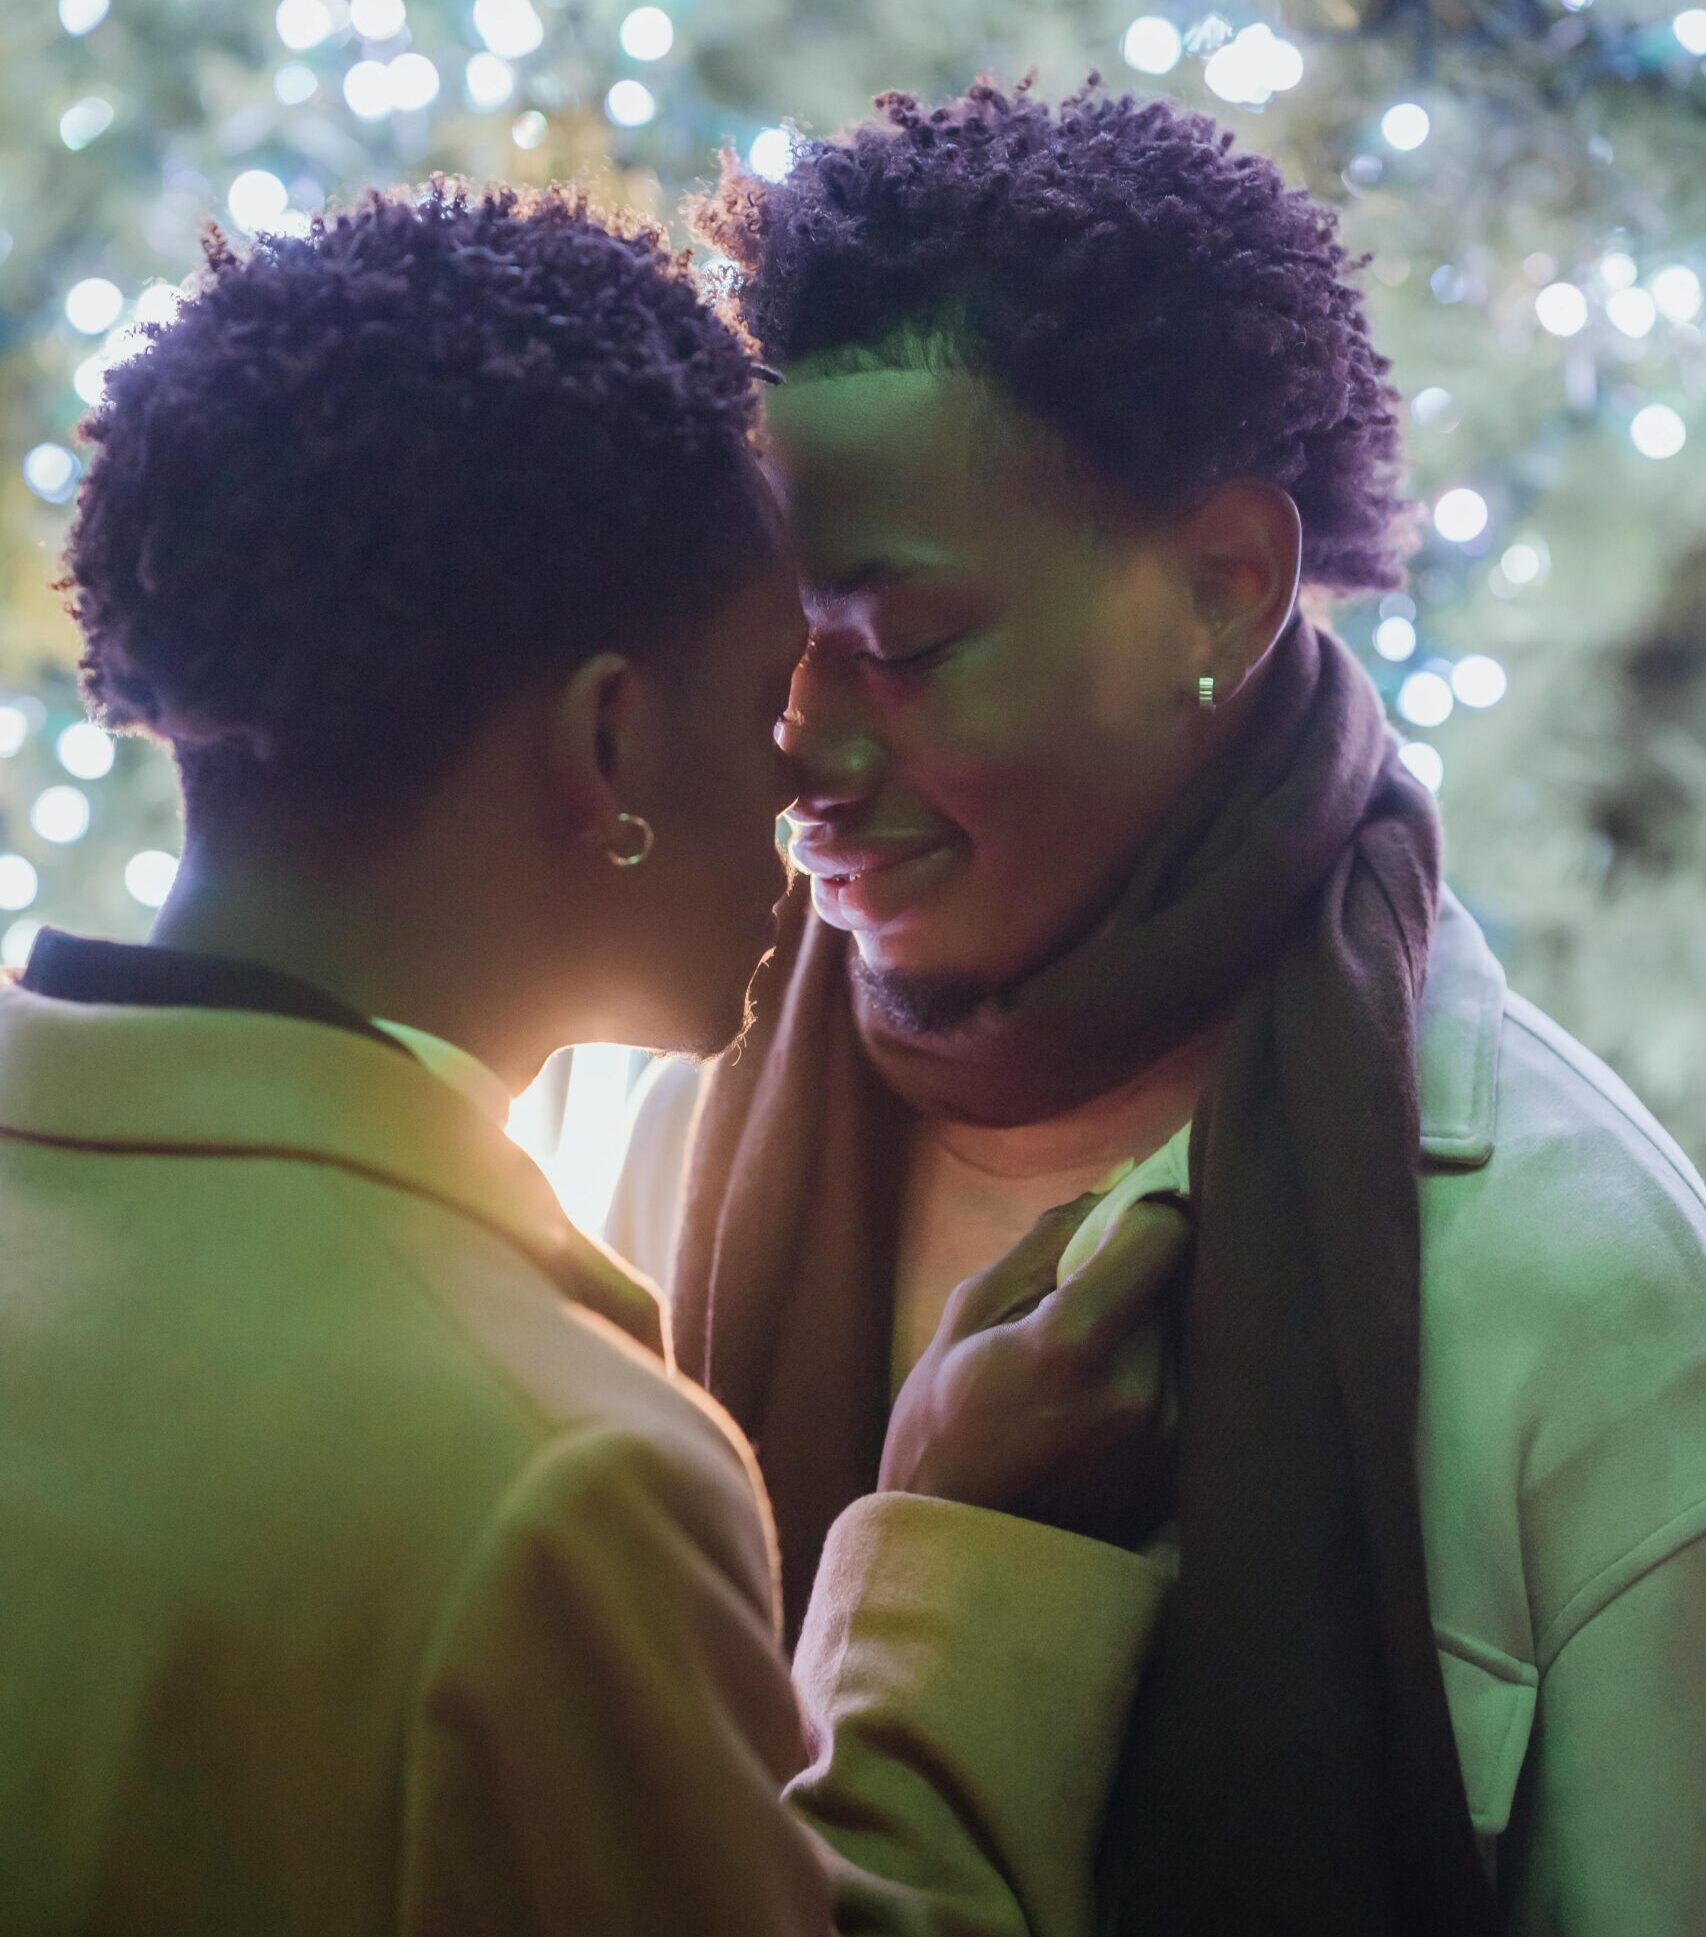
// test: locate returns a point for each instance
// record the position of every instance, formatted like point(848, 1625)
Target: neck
point(383, 949)
point(1133, 1119)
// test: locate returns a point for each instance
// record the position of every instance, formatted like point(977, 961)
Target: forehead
point(907, 459)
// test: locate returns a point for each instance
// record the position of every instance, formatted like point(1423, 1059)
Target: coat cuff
point(1011, 1648)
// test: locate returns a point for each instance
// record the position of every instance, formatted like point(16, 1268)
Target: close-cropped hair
point(371, 481)
point(1167, 305)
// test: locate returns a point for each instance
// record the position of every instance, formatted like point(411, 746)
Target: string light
point(1522, 564)
point(14, 730)
point(1253, 67)
point(1425, 762)
point(530, 129)
point(1405, 127)
point(1152, 45)
point(1633, 311)
point(92, 306)
point(1478, 680)
point(647, 34)
point(80, 17)
point(1562, 309)
point(85, 121)
point(1461, 515)
point(85, 751)
point(302, 24)
point(1658, 431)
point(414, 82)
point(257, 198)
point(50, 471)
point(1677, 293)
point(378, 19)
point(18, 882)
point(16, 943)
point(1395, 638)
point(148, 876)
point(510, 28)
point(771, 154)
point(295, 83)
point(367, 89)
point(1690, 28)
point(488, 81)
point(1425, 699)
point(630, 104)
point(61, 815)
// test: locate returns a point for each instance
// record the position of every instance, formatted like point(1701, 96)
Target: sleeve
point(1616, 1790)
point(966, 1678)
point(606, 1725)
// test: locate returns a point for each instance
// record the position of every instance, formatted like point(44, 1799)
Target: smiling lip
point(868, 886)
point(841, 865)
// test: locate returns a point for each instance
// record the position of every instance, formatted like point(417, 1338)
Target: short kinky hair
point(1168, 306)
point(372, 481)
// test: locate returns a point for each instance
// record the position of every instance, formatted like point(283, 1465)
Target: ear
point(599, 751)
point(1243, 555)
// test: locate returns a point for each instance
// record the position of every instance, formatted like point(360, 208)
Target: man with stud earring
point(367, 1565)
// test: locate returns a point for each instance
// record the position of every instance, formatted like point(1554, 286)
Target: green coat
point(354, 1581)
point(1561, 1447)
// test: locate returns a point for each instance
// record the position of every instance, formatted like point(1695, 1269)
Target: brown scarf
point(1291, 1766)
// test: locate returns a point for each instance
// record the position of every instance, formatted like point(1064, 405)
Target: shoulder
point(1564, 1327)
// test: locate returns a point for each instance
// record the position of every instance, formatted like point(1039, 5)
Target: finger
point(1116, 1290)
point(1015, 1282)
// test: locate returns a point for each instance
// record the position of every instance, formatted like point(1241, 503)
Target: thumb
point(1116, 1289)
point(1019, 1279)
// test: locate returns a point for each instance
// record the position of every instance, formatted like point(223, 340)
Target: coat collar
point(211, 1082)
point(1457, 1046)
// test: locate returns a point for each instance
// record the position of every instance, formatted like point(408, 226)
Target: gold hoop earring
point(1205, 692)
point(641, 829)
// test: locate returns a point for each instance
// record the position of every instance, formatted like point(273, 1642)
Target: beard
point(918, 1005)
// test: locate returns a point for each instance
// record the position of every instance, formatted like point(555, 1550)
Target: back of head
point(371, 482)
point(1114, 267)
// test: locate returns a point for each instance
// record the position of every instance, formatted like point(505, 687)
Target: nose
point(827, 738)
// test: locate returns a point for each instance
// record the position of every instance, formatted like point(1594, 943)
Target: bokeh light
point(148, 876)
point(488, 81)
point(1461, 515)
point(92, 306)
point(647, 34)
point(1425, 699)
point(1152, 45)
point(1562, 309)
point(511, 28)
point(1425, 762)
point(1405, 127)
point(18, 882)
point(80, 17)
point(85, 121)
point(61, 815)
point(771, 154)
point(51, 471)
point(1395, 638)
point(378, 19)
point(302, 24)
point(1478, 680)
point(85, 751)
point(1658, 431)
point(257, 198)
point(630, 104)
